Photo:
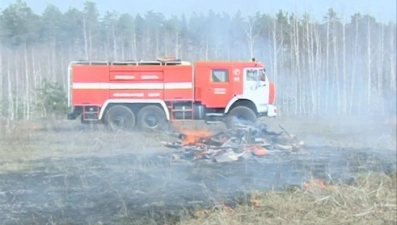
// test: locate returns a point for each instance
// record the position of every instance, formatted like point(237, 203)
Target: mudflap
point(76, 113)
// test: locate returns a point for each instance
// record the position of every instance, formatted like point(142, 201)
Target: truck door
point(256, 86)
point(217, 93)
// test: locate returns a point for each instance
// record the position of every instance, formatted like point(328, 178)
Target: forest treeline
point(332, 66)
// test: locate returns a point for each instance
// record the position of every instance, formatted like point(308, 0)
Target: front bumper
point(268, 110)
point(271, 111)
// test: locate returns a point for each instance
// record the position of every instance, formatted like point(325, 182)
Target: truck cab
point(231, 85)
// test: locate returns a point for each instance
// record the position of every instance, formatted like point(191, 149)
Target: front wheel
point(239, 115)
point(151, 117)
point(119, 117)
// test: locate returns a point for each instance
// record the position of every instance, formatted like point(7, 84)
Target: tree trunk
point(344, 80)
point(310, 43)
point(114, 44)
point(327, 91)
point(17, 83)
point(353, 98)
point(11, 107)
point(275, 50)
point(2, 88)
point(369, 67)
point(27, 97)
point(177, 44)
point(299, 89)
point(85, 38)
point(380, 65)
point(34, 78)
point(336, 101)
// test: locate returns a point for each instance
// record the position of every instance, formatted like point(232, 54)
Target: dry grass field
point(65, 173)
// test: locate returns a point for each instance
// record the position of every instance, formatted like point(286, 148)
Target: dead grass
point(350, 132)
point(371, 200)
point(24, 142)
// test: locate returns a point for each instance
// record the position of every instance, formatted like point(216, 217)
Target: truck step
point(213, 122)
point(214, 114)
point(89, 119)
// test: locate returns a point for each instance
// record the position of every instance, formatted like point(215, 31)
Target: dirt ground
point(65, 173)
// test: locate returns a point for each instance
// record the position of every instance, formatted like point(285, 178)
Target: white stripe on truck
point(146, 86)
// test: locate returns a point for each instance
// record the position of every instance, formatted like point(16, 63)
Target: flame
point(315, 183)
point(256, 203)
point(257, 150)
point(194, 137)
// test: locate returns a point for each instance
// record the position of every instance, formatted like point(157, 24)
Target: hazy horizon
point(382, 10)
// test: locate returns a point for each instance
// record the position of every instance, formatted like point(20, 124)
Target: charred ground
point(70, 175)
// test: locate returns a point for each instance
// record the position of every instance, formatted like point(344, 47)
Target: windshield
point(256, 75)
point(262, 75)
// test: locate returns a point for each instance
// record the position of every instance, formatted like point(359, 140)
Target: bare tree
point(1, 82)
point(356, 20)
point(11, 109)
point(85, 38)
point(369, 65)
point(310, 58)
point(27, 85)
point(297, 62)
point(327, 68)
point(344, 80)
point(392, 57)
point(251, 33)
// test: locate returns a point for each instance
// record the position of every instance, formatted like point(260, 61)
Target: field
point(65, 173)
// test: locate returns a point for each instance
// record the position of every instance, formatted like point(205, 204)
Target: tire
point(119, 117)
point(242, 114)
point(151, 117)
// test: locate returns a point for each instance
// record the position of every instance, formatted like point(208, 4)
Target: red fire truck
point(149, 94)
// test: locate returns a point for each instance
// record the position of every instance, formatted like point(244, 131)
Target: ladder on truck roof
point(86, 62)
point(167, 61)
point(158, 62)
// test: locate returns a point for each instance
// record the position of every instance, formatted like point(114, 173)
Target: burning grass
point(372, 199)
point(242, 142)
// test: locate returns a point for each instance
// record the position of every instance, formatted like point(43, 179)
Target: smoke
point(105, 173)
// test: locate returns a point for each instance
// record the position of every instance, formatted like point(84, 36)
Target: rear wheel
point(151, 117)
point(120, 117)
point(238, 115)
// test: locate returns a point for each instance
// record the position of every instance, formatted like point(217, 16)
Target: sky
point(382, 10)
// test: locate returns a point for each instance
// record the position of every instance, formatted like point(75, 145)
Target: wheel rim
point(239, 119)
point(151, 120)
point(120, 120)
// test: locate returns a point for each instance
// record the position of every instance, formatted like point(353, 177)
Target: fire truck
point(150, 94)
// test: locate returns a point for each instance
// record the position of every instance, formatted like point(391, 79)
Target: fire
point(257, 150)
point(255, 203)
point(194, 137)
point(315, 183)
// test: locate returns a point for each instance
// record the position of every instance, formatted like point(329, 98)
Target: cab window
point(252, 75)
point(219, 76)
